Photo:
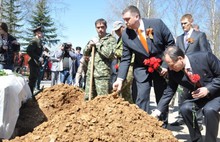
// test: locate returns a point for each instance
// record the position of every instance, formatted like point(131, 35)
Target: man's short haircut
point(173, 52)
point(78, 48)
point(101, 20)
point(187, 16)
point(132, 9)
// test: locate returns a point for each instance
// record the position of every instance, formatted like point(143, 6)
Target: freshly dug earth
point(59, 114)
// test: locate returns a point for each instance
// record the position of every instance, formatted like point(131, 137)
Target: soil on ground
point(60, 114)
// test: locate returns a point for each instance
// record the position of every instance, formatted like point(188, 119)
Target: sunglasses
point(184, 23)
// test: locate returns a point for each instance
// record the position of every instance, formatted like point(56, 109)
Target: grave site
point(60, 114)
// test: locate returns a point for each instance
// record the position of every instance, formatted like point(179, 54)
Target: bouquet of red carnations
point(153, 63)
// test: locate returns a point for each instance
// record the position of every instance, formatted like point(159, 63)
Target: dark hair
point(101, 20)
point(78, 48)
point(132, 9)
point(67, 45)
point(4, 27)
point(173, 52)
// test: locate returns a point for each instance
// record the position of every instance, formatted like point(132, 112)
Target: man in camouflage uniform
point(118, 28)
point(104, 46)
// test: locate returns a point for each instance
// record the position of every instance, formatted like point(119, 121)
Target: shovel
point(91, 73)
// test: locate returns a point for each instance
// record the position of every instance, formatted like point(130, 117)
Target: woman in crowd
point(8, 47)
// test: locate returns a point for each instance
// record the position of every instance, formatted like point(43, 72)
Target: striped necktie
point(185, 40)
point(143, 40)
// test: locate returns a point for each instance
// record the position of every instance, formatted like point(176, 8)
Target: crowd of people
point(108, 65)
point(63, 64)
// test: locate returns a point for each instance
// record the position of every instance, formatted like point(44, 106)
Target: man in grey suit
point(157, 42)
point(205, 95)
point(190, 41)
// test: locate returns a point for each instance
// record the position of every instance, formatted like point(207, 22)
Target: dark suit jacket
point(203, 63)
point(200, 43)
point(162, 37)
point(34, 50)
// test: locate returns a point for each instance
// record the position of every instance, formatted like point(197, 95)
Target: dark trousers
point(10, 67)
point(40, 77)
point(210, 109)
point(65, 76)
point(113, 72)
point(141, 93)
point(34, 74)
point(181, 99)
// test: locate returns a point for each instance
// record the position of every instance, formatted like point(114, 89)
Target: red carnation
point(150, 69)
point(194, 78)
point(146, 62)
point(153, 63)
point(116, 66)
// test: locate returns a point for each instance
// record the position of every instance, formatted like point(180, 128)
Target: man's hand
point(5, 47)
point(117, 85)
point(41, 59)
point(46, 54)
point(76, 84)
point(92, 43)
point(155, 113)
point(200, 93)
point(163, 72)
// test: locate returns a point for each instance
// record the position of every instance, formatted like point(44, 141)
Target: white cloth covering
point(14, 90)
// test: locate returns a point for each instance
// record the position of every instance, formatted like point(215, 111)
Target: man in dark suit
point(190, 41)
point(206, 97)
point(159, 38)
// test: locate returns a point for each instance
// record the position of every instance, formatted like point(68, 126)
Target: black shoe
point(164, 125)
point(177, 123)
point(200, 127)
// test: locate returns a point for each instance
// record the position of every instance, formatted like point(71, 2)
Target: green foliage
point(41, 17)
point(11, 14)
point(2, 73)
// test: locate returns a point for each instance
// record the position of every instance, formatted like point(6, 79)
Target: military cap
point(117, 25)
point(37, 29)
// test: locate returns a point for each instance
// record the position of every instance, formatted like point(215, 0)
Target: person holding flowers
point(199, 72)
point(143, 38)
point(190, 41)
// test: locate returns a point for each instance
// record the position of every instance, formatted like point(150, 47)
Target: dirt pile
point(105, 119)
point(50, 102)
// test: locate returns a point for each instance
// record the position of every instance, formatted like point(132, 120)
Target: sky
point(78, 20)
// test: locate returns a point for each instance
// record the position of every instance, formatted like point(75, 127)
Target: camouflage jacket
point(104, 54)
point(119, 50)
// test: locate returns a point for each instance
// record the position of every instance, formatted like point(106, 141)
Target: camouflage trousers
point(100, 86)
point(126, 88)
